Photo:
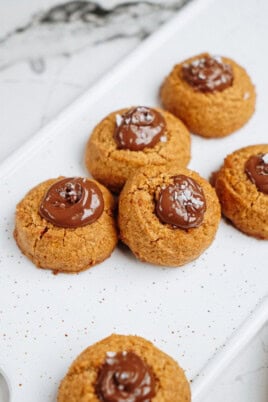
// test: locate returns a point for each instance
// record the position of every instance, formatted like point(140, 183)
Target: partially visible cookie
point(131, 138)
point(124, 368)
point(213, 96)
point(242, 187)
point(168, 216)
point(66, 224)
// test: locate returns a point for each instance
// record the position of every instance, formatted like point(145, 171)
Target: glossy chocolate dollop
point(256, 167)
point(72, 202)
point(181, 204)
point(125, 377)
point(208, 74)
point(138, 128)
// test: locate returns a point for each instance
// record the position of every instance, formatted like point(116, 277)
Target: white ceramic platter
point(190, 312)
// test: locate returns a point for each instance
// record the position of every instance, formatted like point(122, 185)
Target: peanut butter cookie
point(131, 138)
point(168, 216)
point(213, 96)
point(124, 368)
point(66, 224)
point(242, 187)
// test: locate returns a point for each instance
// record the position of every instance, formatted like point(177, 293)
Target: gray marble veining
point(68, 28)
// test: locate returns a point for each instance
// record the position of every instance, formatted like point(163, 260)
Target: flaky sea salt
point(118, 119)
point(110, 354)
point(265, 158)
point(218, 59)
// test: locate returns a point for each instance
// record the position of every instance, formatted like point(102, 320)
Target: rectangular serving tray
point(191, 313)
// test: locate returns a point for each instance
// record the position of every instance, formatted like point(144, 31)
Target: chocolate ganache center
point(256, 168)
point(138, 128)
point(182, 203)
point(72, 202)
point(125, 377)
point(208, 74)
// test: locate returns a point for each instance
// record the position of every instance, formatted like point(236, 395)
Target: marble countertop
point(51, 51)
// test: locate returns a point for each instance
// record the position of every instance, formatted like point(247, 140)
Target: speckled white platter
point(46, 320)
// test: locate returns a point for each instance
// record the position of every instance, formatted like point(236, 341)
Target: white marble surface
point(44, 65)
point(245, 375)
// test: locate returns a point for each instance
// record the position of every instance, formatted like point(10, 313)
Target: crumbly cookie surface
point(214, 114)
point(150, 239)
point(112, 166)
point(79, 383)
point(240, 199)
point(61, 249)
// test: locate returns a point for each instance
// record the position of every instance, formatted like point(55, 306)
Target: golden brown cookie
point(242, 187)
point(124, 368)
point(213, 96)
point(111, 161)
point(168, 216)
point(66, 225)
